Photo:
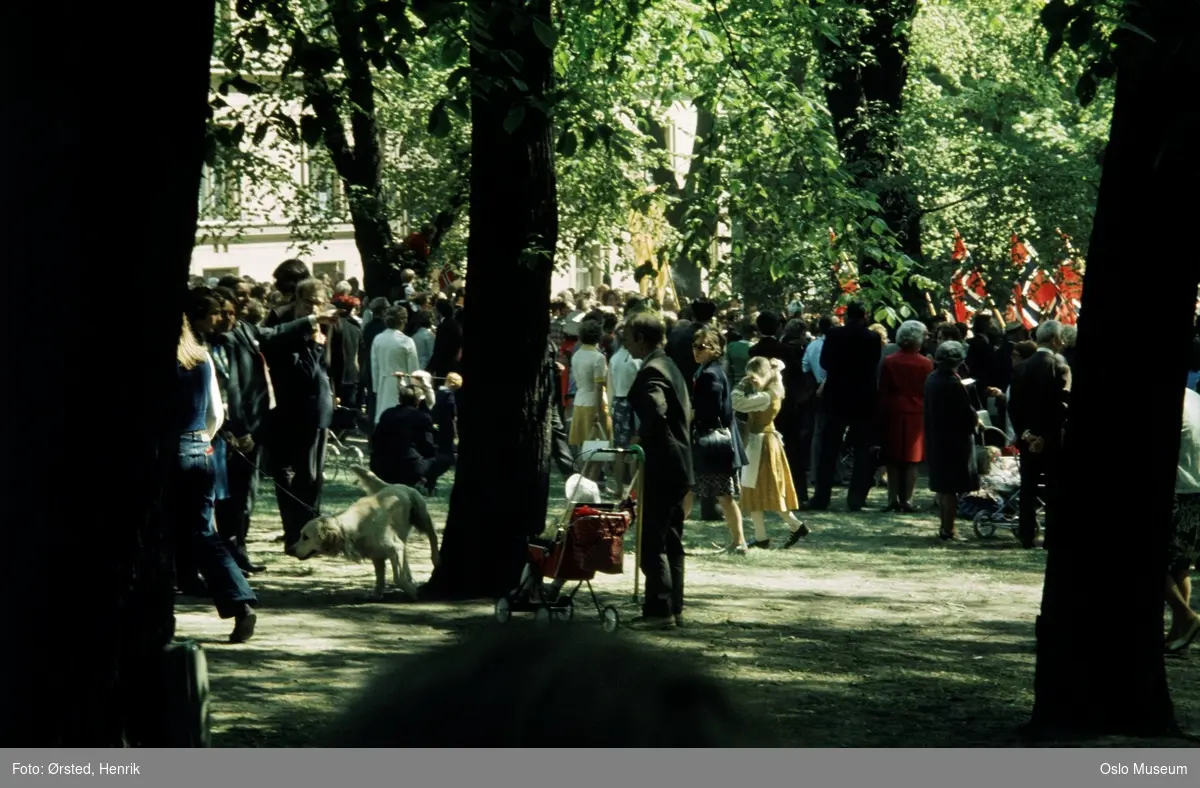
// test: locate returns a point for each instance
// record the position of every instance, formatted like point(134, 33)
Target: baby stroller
point(997, 503)
point(589, 539)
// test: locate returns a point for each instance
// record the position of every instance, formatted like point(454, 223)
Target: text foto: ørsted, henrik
point(86, 769)
point(1143, 768)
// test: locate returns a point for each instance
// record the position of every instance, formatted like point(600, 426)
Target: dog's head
point(320, 536)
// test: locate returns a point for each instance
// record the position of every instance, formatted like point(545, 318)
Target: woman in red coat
point(902, 414)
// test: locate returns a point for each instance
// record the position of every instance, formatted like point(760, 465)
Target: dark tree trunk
point(1120, 541)
point(502, 480)
point(359, 157)
point(865, 94)
point(89, 444)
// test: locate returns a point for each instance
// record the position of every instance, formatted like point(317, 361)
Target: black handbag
point(714, 447)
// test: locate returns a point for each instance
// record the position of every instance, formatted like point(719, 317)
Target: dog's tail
point(367, 481)
point(424, 523)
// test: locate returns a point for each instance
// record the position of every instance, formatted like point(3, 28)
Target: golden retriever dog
point(374, 528)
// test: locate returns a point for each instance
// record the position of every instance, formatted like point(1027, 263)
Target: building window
point(323, 183)
point(334, 270)
point(220, 190)
point(219, 273)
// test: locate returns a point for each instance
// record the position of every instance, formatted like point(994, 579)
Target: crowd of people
point(755, 409)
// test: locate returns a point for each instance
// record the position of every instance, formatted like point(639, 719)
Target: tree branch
point(959, 201)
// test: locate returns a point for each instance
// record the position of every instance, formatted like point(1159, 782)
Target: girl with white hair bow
point(766, 478)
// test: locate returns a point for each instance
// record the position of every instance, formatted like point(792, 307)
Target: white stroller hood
point(581, 490)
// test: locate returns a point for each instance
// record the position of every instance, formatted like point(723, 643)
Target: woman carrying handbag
point(717, 452)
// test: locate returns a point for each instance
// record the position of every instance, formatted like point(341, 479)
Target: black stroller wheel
point(983, 525)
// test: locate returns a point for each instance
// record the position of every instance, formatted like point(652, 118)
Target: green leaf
point(514, 59)
point(1080, 30)
point(545, 33)
point(439, 120)
point(1055, 16)
point(906, 311)
point(459, 107)
point(259, 38)
point(1135, 29)
point(878, 226)
point(311, 131)
point(568, 143)
point(452, 51)
point(456, 76)
point(1085, 88)
point(378, 60)
point(396, 14)
point(513, 121)
point(286, 125)
point(399, 64)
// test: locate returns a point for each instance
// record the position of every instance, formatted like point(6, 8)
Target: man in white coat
point(392, 352)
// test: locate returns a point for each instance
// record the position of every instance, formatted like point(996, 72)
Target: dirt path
point(871, 633)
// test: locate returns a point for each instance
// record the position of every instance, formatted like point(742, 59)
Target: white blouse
point(621, 371)
point(588, 367)
point(215, 417)
point(1187, 479)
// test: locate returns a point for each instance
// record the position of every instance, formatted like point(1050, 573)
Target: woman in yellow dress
point(766, 477)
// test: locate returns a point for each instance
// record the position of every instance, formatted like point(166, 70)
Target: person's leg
point(863, 476)
point(233, 513)
point(793, 449)
point(689, 501)
point(733, 518)
point(675, 555)
point(947, 513)
point(1178, 596)
point(1031, 474)
point(895, 486)
point(828, 453)
point(655, 564)
point(760, 527)
point(307, 482)
point(909, 486)
point(230, 592)
point(281, 455)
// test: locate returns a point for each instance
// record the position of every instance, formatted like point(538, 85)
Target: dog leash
point(278, 486)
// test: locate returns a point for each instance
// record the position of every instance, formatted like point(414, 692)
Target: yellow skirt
point(773, 490)
point(583, 421)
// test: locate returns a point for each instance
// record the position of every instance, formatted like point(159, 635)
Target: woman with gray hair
point(950, 423)
point(901, 414)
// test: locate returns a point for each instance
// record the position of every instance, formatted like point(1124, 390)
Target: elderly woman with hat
point(950, 424)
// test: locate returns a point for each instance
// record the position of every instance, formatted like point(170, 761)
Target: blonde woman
point(766, 478)
point(589, 370)
point(198, 416)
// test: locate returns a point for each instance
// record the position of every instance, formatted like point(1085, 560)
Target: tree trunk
point(1120, 541)
point(87, 563)
point(701, 171)
point(865, 95)
point(502, 480)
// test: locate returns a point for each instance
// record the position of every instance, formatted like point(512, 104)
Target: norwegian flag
point(1070, 285)
point(1028, 292)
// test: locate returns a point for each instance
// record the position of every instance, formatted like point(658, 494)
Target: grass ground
point(871, 633)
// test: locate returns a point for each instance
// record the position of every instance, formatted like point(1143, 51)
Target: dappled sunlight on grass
point(870, 632)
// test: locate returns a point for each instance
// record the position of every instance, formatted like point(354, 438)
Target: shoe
point(243, 628)
point(243, 563)
point(679, 620)
point(1181, 643)
point(765, 544)
point(737, 549)
point(950, 537)
point(891, 507)
point(796, 536)
point(653, 623)
point(907, 508)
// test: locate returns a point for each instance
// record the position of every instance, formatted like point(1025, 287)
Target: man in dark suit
point(1037, 406)
point(659, 398)
point(288, 275)
point(248, 403)
point(679, 344)
point(297, 427)
point(850, 358)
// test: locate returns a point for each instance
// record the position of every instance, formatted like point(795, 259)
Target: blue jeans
point(193, 482)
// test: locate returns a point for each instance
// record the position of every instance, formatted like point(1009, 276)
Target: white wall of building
point(257, 257)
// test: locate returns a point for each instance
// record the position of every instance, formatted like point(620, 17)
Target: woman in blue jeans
point(198, 415)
